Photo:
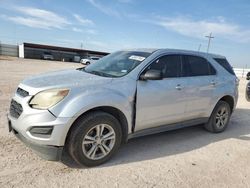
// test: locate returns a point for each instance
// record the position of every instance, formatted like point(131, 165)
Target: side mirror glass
point(152, 75)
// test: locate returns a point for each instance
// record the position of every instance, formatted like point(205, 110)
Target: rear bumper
point(51, 153)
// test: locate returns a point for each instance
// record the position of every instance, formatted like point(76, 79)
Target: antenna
point(199, 48)
point(209, 41)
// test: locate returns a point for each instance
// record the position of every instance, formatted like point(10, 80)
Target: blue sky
point(110, 25)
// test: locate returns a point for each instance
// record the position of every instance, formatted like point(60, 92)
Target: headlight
point(48, 98)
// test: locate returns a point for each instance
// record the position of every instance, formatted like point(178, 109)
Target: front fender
point(83, 100)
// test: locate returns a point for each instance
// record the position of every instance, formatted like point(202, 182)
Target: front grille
point(16, 109)
point(22, 92)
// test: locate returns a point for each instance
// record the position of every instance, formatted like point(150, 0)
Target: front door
point(161, 102)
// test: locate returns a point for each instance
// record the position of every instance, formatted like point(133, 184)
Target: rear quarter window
point(225, 64)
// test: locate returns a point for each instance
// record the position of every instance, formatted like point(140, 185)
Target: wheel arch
point(118, 114)
point(230, 100)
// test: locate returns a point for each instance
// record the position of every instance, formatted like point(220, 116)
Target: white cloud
point(82, 20)
point(38, 18)
point(105, 9)
point(91, 31)
point(88, 31)
point(198, 29)
point(77, 29)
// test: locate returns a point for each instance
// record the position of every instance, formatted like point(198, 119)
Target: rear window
point(224, 63)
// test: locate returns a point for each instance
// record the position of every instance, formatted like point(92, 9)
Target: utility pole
point(209, 41)
point(81, 45)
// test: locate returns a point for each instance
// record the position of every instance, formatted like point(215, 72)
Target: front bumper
point(51, 153)
point(49, 147)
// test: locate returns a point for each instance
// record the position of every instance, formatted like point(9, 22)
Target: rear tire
point(94, 139)
point(219, 118)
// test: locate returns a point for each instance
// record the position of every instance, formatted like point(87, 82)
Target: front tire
point(219, 118)
point(94, 139)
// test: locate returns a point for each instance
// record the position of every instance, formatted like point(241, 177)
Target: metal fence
point(9, 50)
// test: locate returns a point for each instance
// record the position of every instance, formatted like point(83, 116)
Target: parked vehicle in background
point(89, 60)
point(248, 76)
point(89, 112)
point(47, 56)
point(248, 87)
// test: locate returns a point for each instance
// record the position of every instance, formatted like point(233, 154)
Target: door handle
point(213, 83)
point(178, 87)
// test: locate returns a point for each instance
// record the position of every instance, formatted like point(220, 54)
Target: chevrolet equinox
point(89, 112)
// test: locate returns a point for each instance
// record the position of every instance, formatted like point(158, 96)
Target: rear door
point(163, 101)
point(201, 82)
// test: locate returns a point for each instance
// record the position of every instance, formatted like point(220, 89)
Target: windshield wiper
point(98, 73)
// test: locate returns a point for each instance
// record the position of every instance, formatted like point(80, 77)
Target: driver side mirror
point(248, 76)
point(151, 75)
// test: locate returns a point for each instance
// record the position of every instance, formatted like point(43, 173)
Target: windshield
point(117, 64)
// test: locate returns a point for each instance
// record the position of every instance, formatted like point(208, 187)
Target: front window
point(169, 65)
point(117, 64)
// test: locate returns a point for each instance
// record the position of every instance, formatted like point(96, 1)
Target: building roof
point(66, 49)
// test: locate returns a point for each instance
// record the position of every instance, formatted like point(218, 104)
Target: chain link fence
point(8, 50)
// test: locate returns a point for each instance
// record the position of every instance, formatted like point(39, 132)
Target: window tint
point(169, 65)
point(224, 63)
point(196, 66)
point(212, 70)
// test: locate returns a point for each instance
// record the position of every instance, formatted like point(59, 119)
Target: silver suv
point(89, 112)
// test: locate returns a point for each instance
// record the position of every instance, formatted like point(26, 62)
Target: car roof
point(149, 50)
point(167, 50)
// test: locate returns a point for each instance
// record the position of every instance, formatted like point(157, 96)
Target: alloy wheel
point(221, 117)
point(98, 142)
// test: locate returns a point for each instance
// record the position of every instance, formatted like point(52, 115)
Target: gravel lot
point(189, 157)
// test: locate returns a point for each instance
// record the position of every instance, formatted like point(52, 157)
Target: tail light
point(237, 81)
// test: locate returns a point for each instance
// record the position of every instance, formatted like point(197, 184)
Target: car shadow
point(176, 142)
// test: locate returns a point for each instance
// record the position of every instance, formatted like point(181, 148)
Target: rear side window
point(196, 66)
point(224, 63)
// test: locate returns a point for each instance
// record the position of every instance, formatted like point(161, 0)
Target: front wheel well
point(114, 112)
point(230, 100)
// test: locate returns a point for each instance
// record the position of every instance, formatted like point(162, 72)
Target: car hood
point(65, 78)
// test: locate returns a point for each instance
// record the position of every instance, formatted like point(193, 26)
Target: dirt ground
point(189, 157)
